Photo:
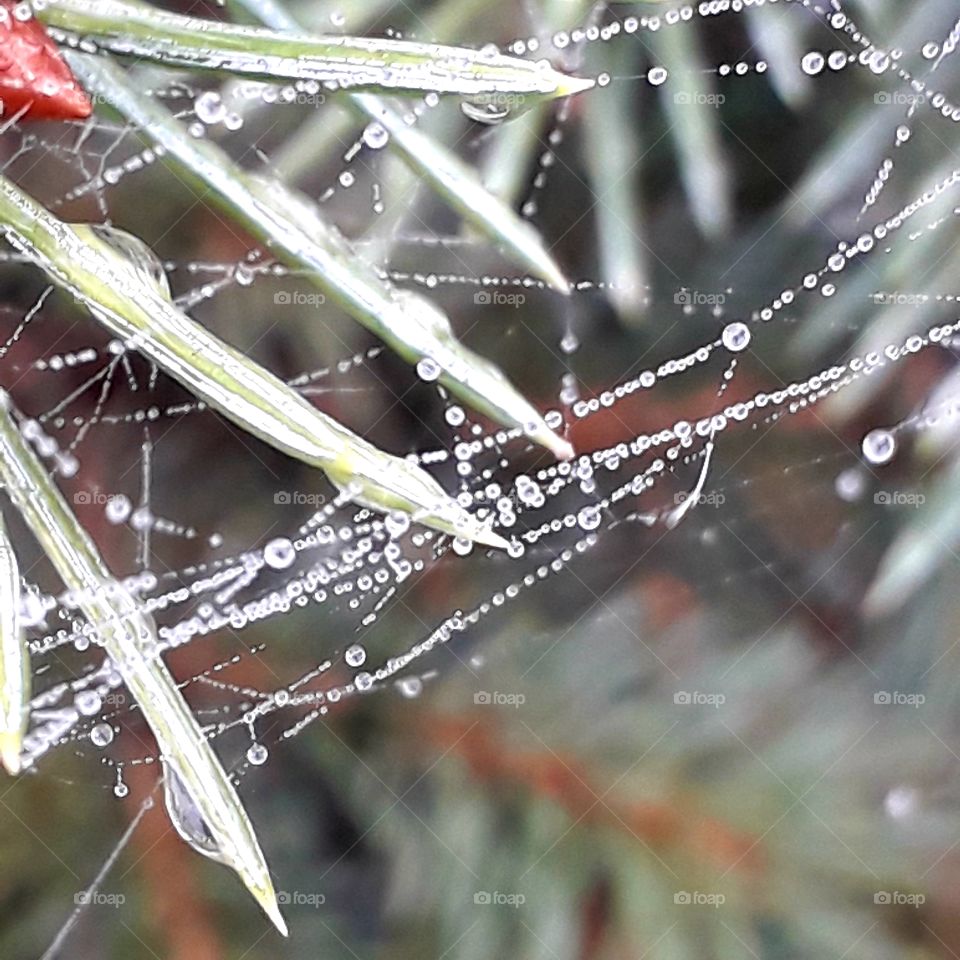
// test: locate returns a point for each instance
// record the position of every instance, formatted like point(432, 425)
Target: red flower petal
point(32, 73)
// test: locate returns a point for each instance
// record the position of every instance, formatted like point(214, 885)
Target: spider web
point(130, 448)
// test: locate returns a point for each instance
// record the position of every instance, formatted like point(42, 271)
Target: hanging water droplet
point(428, 369)
point(812, 63)
point(488, 114)
point(279, 554)
point(117, 509)
point(589, 518)
point(186, 817)
point(140, 255)
point(101, 735)
point(837, 60)
point(656, 76)
point(900, 802)
point(879, 446)
point(210, 108)
point(257, 754)
point(850, 485)
point(88, 702)
point(375, 135)
point(355, 655)
point(410, 687)
point(736, 336)
point(879, 61)
point(363, 681)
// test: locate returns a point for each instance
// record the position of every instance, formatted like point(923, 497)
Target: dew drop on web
point(879, 446)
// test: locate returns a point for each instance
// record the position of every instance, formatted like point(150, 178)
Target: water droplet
point(656, 76)
point(455, 416)
point(355, 655)
point(257, 754)
point(428, 369)
point(210, 108)
point(850, 485)
point(879, 446)
point(488, 114)
point(279, 554)
point(101, 735)
point(900, 802)
point(88, 702)
point(736, 336)
point(186, 817)
point(117, 509)
point(462, 546)
point(410, 687)
point(812, 63)
point(375, 135)
point(589, 518)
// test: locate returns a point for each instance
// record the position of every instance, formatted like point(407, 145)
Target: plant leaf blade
point(129, 638)
point(136, 310)
point(290, 224)
point(14, 659)
point(146, 33)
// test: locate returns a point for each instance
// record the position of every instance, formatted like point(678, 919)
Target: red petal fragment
point(32, 73)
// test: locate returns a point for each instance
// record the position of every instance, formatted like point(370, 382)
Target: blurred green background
point(693, 743)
